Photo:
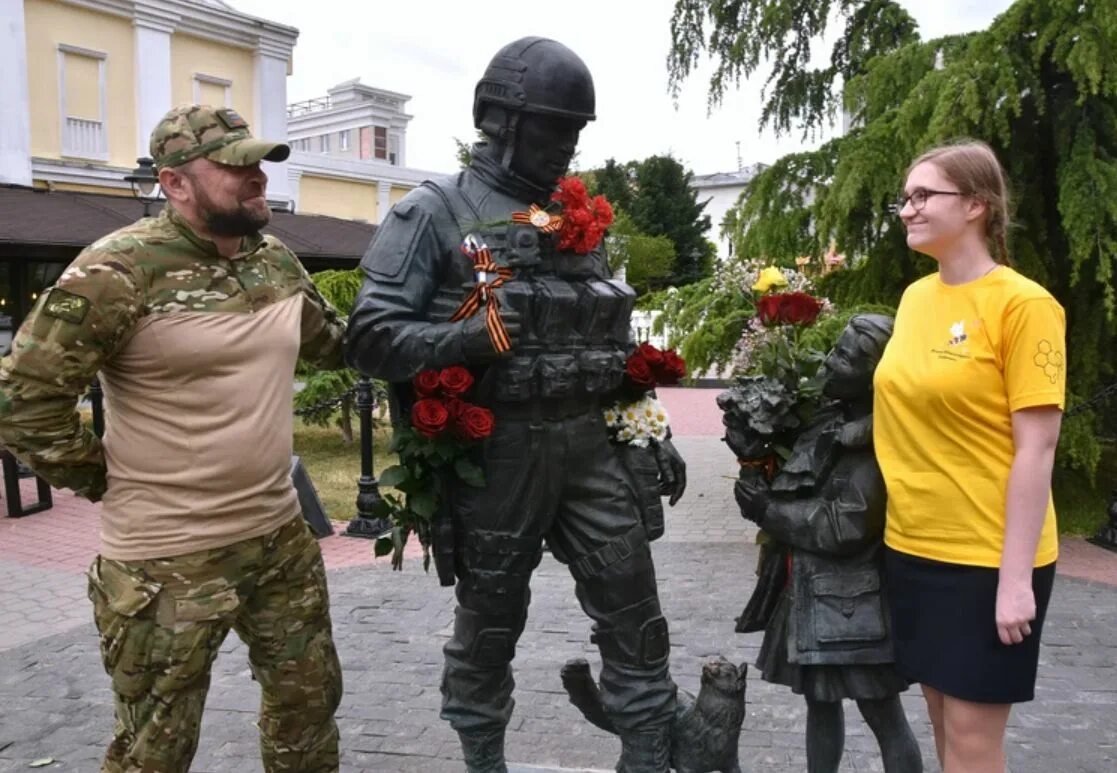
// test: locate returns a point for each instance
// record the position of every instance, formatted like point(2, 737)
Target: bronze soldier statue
point(551, 471)
point(828, 637)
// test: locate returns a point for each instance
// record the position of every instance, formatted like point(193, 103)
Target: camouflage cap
point(216, 133)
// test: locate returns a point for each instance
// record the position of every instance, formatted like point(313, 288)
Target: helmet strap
point(508, 137)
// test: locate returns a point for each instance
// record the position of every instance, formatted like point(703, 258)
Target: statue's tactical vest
point(574, 335)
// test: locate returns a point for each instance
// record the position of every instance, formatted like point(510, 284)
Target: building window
point(343, 140)
point(211, 90)
point(81, 102)
point(380, 142)
point(324, 143)
point(393, 149)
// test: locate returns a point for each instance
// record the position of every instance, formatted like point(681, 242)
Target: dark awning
point(56, 225)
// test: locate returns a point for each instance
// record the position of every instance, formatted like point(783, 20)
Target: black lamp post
point(145, 183)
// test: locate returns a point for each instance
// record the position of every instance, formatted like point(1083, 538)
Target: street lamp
point(145, 183)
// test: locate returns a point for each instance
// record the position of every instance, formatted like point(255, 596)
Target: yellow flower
point(769, 279)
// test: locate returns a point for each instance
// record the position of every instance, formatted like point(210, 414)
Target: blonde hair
point(974, 168)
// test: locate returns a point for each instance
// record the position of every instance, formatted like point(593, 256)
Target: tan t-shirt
point(197, 355)
point(961, 360)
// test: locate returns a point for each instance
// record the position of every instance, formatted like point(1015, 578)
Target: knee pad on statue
point(642, 646)
point(484, 640)
point(493, 647)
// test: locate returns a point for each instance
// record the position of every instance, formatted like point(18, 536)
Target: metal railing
point(296, 109)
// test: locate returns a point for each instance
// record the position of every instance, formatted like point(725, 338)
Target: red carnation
point(426, 383)
point(455, 380)
point(638, 373)
point(584, 220)
point(474, 422)
point(429, 417)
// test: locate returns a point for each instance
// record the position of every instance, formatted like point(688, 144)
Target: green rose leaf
point(394, 475)
point(423, 504)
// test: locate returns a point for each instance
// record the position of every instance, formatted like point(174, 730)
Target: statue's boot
point(483, 752)
point(648, 751)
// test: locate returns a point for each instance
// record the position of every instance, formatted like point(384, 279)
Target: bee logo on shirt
point(1049, 360)
point(957, 333)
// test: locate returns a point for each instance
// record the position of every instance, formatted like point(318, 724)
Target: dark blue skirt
point(945, 632)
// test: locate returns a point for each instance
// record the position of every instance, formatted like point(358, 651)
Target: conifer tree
point(1039, 85)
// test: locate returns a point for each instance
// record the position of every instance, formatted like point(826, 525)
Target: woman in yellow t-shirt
point(968, 401)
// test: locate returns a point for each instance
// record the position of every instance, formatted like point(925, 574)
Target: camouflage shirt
point(138, 279)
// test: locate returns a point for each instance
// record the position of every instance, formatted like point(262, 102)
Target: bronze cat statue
point(706, 729)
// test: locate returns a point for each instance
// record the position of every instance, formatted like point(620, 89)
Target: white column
point(15, 115)
point(384, 200)
point(294, 179)
point(154, 27)
point(271, 112)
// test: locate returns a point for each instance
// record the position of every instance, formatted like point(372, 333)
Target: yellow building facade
point(84, 82)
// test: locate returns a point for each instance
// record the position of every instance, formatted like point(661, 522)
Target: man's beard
point(235, 222)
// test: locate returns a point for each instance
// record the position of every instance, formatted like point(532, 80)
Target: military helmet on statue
point(532, 75)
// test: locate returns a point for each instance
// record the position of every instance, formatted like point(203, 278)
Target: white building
point(723, 189)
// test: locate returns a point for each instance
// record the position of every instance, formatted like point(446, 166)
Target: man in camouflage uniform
point(194, 321)
point(551, 471)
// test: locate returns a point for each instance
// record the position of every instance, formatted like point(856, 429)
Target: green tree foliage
point(664, 204)
point(615, 182)
point(656, 194)
point(340, 288)
point(1039, 85)
point(706, 318)
point(745, 34)
point(647, 260)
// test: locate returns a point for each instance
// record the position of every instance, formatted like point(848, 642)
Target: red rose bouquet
point(784, 340)
point(648, 367)
point(638, 418)
point(444, 427)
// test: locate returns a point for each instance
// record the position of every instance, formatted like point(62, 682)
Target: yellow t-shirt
point(961, 360)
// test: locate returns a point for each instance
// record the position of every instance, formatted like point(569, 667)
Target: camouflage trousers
point(162, 621)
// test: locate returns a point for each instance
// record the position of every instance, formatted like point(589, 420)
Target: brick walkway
point(390, 627)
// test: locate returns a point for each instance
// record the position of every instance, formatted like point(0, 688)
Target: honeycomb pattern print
point(1049, 360)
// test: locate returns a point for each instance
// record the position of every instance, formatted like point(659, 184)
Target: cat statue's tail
point(583, 693)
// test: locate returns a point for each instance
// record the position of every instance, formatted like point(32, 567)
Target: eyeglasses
point(918, 199)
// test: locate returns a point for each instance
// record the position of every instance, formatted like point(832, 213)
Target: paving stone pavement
point(390, 627)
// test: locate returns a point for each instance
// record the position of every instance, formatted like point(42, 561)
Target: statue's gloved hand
point(476, 344)
point(751, 491)
point(672, 471)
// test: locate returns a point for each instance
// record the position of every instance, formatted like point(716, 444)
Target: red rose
point(475, 422)
point(455, 380)
point(768, 309)
point(672, 370)
point(429, 417)
point(454, 407)
point(426, 383)
point(651, 354)
point(799, 308)
point(638, 372)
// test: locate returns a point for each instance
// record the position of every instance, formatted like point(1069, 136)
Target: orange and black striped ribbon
point(768, 465)
point(540, 218)
point(482, 295)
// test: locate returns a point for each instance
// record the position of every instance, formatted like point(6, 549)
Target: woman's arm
point(1035, 433)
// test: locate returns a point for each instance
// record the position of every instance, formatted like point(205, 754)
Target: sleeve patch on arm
point(66, 306)
point(1049, 359)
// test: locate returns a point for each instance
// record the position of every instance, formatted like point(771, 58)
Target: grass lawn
point(335, 466)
